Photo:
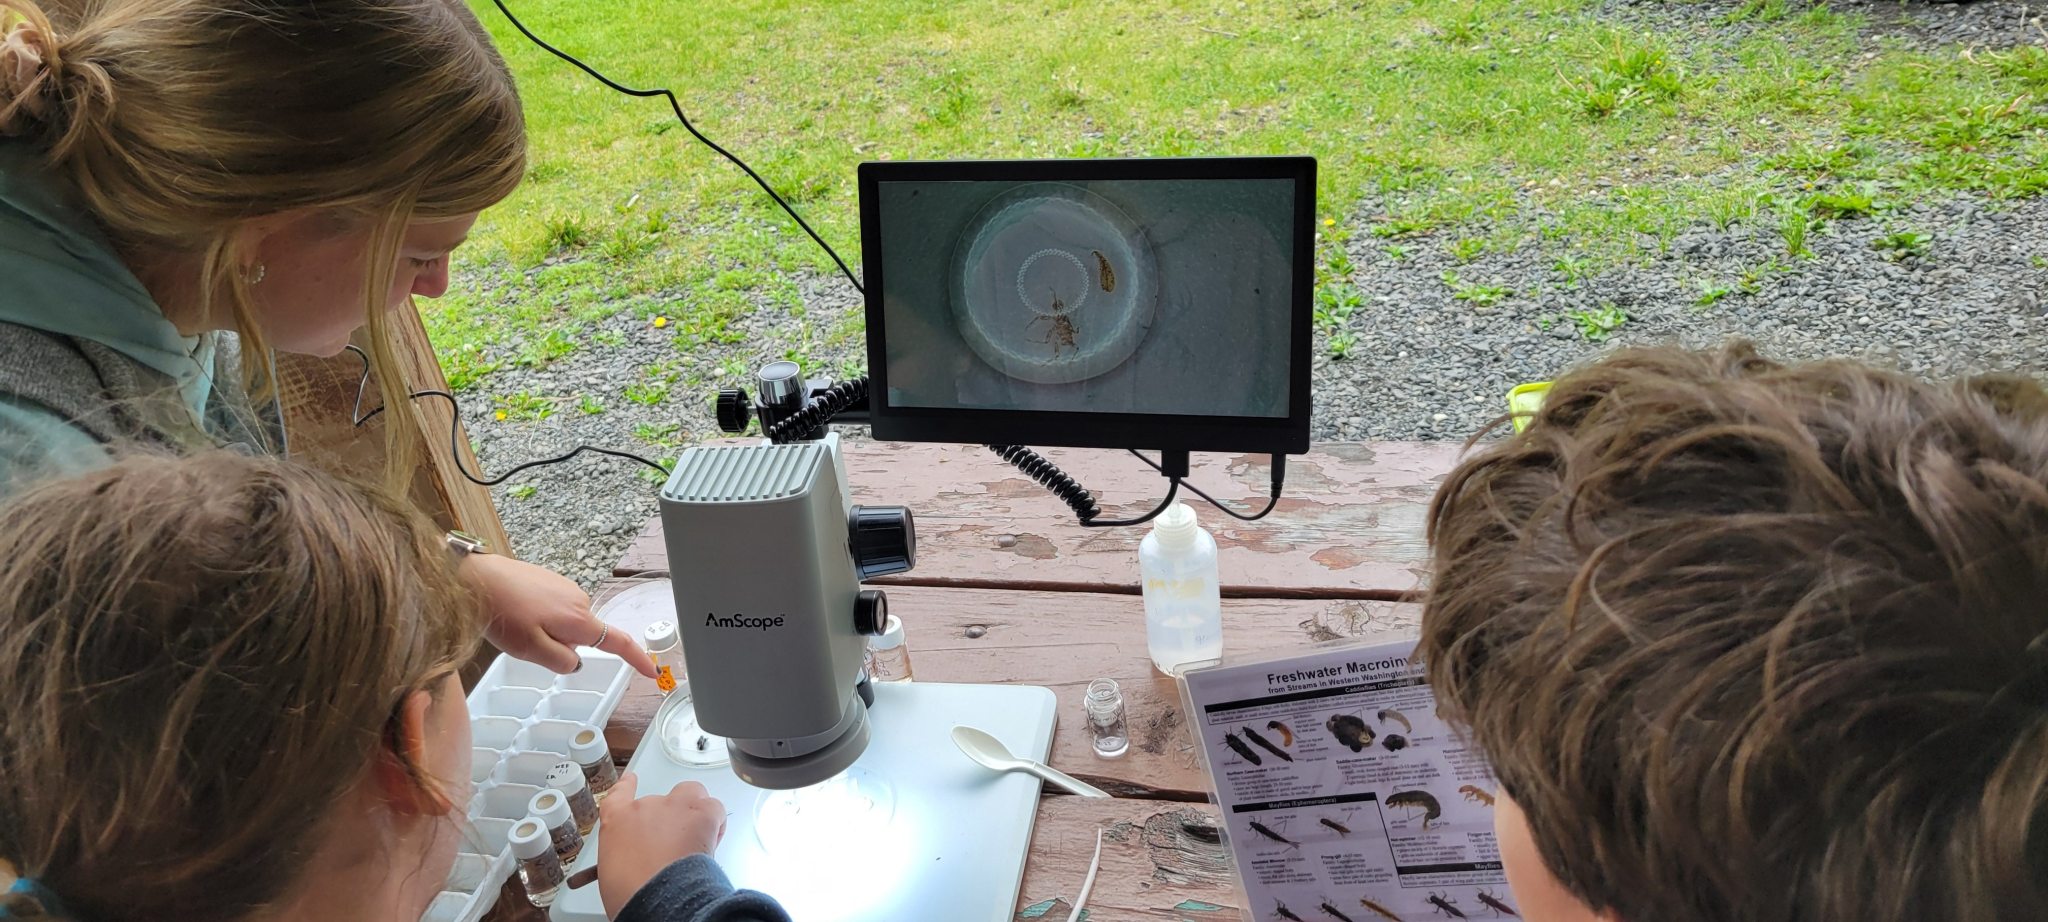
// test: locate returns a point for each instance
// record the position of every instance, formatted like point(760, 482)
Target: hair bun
point(25, 58)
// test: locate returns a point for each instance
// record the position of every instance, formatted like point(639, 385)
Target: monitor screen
point(1128, 303)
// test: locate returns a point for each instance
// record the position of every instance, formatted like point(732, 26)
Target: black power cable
point(665, 93)
point(358, 417)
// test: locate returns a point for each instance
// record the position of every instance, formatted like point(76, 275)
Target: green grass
point(1534, 116)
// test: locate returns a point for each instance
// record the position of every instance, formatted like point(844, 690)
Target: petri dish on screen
point(1053, 284)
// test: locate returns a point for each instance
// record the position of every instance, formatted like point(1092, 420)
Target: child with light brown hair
point(232, 697)
point(1746, 641)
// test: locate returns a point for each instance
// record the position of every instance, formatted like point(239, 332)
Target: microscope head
point(766, 554)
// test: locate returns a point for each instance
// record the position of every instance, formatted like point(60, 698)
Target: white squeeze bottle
point(1183, 604)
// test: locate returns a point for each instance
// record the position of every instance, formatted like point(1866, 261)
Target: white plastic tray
point(522, 717)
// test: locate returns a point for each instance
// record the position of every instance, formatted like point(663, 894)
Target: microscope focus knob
point(882, 539)
point(871, 613)
point(733, 410)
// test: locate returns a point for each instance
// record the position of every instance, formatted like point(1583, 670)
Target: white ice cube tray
point(521, 719)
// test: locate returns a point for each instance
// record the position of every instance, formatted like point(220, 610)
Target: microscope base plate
point(951, 847)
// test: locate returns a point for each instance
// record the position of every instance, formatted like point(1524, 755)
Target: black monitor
point(1160, 304)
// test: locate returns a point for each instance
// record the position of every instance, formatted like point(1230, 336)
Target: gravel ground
point(1973, 23)
point(1425, 365)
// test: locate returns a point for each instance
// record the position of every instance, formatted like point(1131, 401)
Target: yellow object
point(501, 416)
point(1329, 222)
point(660, 322)
point(1525, 400)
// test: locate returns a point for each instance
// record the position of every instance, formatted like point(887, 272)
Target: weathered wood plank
point(1350, 523)
point(1063, 641)
point(1159, 861)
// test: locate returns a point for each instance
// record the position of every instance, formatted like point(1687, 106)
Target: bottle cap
point(588, 746)
point(530, 839)
point(567, 777)
point(550, 807)
point(1176, 526)
point(660, 635)
point(891, 636)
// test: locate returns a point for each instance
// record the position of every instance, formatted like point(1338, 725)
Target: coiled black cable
point(1049, 476)
point(834, 400)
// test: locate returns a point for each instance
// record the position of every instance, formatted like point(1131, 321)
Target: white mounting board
point(953, 850)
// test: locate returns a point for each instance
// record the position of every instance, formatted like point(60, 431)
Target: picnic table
point(1009, 589)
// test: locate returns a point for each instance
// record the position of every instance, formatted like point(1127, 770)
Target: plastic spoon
point(991, 754)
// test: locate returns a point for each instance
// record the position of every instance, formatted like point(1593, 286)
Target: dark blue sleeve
point(695, 890)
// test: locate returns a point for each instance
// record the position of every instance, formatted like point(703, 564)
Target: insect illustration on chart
point(1397, 717)
point(1350, 730)
point(1417, 800)
point(1102, 269)
point(1499, 906)
point(1330, 909)
point(1394, 742)
point(1286, 732)
point(1266, 744)
point(1445, 905)
point(1476, 794)
point(1062, 331)
point(1237, 745)
point(1281, 911)
point(1383, 911)
point(1267, 832)
point(1340, 828)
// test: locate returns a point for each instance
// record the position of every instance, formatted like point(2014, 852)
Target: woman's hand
point(540, 616)
point(643, 836)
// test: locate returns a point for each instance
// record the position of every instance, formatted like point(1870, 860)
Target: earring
point(255, 274)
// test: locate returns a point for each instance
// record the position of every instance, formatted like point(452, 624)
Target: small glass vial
point(1105, 706)
point(552, 809)
point(666, 646)
point(568, 779)
point(888, 654)
point(589, 750)
point(540, 869)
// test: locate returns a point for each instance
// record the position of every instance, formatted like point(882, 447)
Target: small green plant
point(2038, 261)
point(627, 242)
point(1795, 225)
point(1711, 292)
point(1632, 72)
point(1758, 10)
point(655, 477)
point(734, 368)
point(525, 405)
point(590, 405)
point(1335, 304)
point(1474, 294)
point(1341, 343)
point(662, 435)
point(563, 232)
point(1546, 321)
point(1466, 29)
point(465, 366)
point(1599, 323)
point(609, 338)
point(1841, 203)
point(1573, 268)
point(545, 349)
point(1903, 244)
point(1467, 249)
point(523, 491)
point(647, 393)
point(1395, 252)
point(1400, 227)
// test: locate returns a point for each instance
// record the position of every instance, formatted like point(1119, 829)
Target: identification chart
point(1346, 798)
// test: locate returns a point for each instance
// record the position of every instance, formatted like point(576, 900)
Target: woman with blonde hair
point(186, 186)
point(232, 698)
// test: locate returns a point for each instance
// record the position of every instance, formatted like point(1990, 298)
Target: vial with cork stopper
point(888, 654)
point(552, 809)
point(540, 869)
point(567, 778)
point(589, 750)
point(665, 646)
